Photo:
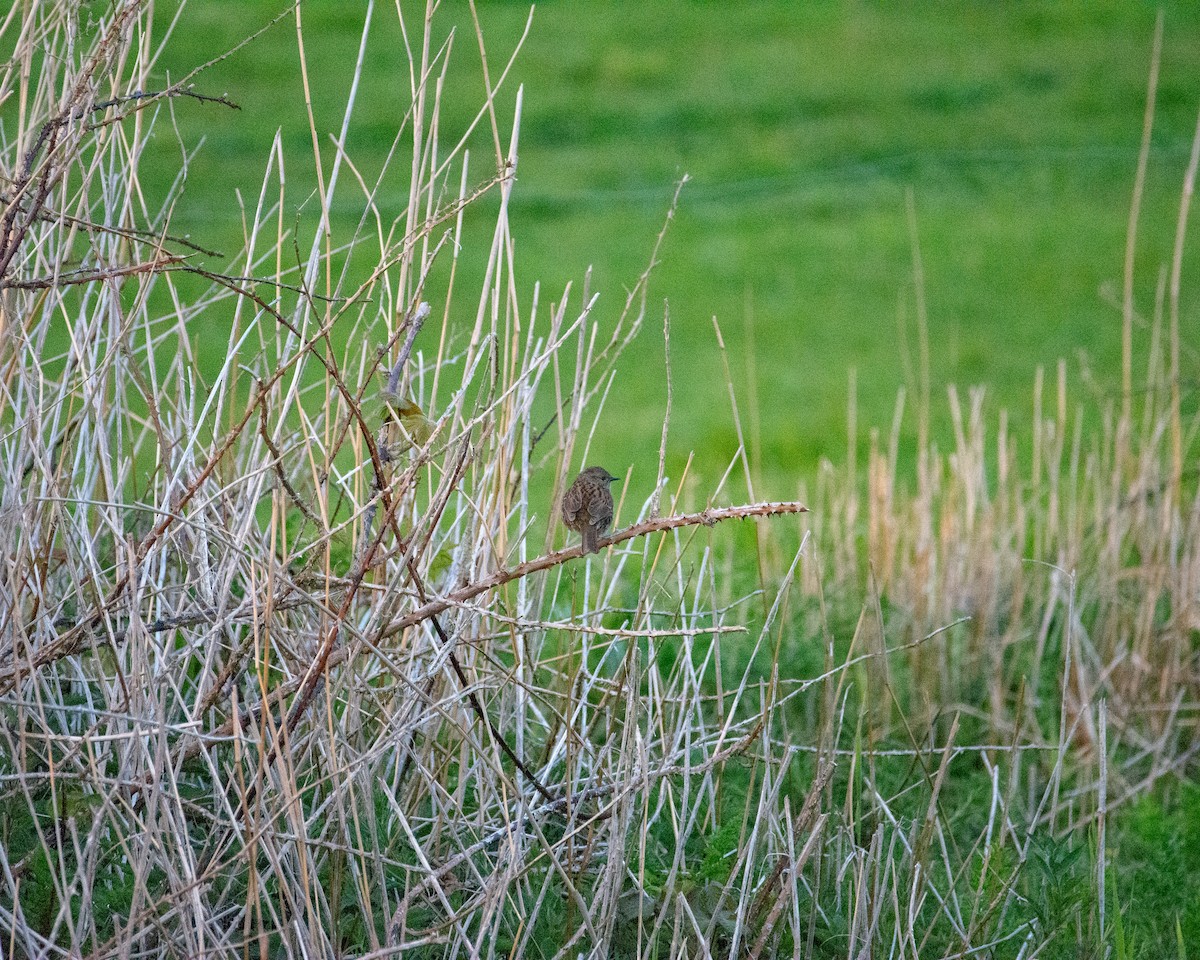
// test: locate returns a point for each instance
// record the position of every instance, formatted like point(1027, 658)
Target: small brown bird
point(587, 507)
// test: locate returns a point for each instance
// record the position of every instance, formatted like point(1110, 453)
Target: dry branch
point(331, 657)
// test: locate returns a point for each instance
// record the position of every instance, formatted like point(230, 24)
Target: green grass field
point(803, 127)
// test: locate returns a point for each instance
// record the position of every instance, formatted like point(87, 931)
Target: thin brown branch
point(77, 277)
point(53, 215)
point(332, 657)
point(146, 97)
point(473, 698)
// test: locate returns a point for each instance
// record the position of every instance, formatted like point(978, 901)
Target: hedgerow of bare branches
point(293, 658)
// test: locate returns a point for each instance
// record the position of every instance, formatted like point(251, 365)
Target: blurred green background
point(803, 126)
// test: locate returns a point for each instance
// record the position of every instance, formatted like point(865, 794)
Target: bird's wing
point(571, 504)
point(600, 511)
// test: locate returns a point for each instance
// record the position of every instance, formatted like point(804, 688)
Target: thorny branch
point(460, 596)
point(20, 216)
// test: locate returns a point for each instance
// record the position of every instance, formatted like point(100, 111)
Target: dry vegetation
point(288, 665)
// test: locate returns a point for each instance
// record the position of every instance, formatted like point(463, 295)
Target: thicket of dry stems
point(273, 646)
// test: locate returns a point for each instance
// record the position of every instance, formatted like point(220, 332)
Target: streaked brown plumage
point(587, 507)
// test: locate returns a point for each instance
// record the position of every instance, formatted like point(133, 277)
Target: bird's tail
point(591, 540)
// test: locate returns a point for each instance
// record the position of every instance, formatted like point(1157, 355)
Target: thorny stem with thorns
point(460, 596)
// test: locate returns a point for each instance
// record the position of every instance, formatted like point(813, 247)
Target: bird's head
point(599, 474)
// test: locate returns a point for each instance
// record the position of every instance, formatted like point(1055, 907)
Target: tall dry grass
point(289, 666)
